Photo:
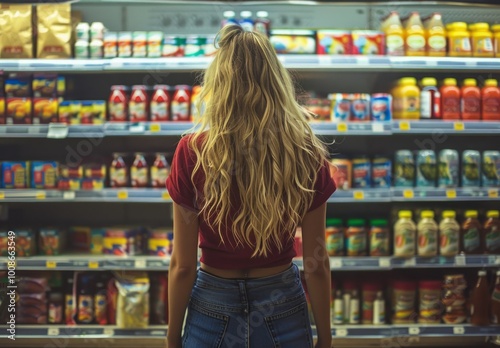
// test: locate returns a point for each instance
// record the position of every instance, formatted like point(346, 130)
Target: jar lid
point(495, 28)
point(356, 222)
point(450, 82)
point(471, 214)
point(492, 213)
point(408, 81)
point(141, 87)
point(449, 214)
point(427, 214)
point(334, 222)
point(430, 284)
point(479, 27)
point(491, 82)
point(157, 87)
point(379, 222)
point(429, 81)
point(405, 214)
point(470, 82)
point(404, 285)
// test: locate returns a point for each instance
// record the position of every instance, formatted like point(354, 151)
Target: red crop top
point(226, 255)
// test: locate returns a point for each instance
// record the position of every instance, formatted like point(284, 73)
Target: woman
point(242, 184)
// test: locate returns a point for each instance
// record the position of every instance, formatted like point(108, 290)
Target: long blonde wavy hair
point(256, 144)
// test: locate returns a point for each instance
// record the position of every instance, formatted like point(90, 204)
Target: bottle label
point(356, 244)
point(379, 312)
point(338, 310)
point(159, 111)
point(471, 240)
point(395, 45)
point(138, 112)
point(118, 177)
point(451, 105)
point(405, 243)
point(55, 313)
point(471, 105)
point(416, 43)
point(437, 43)
point(180, 111)
point(427, 241)
point(139, 177)
point(354, 312)
point(410, 104)
point(117, 112)
point(68, 308)
point(158, 176)
point(426, 104)
point(491, 106)
point(449, 241)
point(493, 239)
point(484, 45)
point(101, 309)
point(379, 243)
point(85, 309)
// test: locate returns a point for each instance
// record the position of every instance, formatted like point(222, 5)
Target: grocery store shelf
point(296, 62)
point(351, 128)
point(443, 194)
point(88, 331)
point(445, 127)
point(56, 131)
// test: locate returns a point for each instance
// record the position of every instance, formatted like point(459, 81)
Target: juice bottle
point(490, 101)
point(404, 235)
point(471, 233)
point(246, 21)
point(471, 100)
point(495, 302)
point(118, 172)
point(459, 44)
point(407, 99)
point(262, 24)
point(427, 234)
point(159, 171)
point(449, 234)
point(430, 99)
point(414, 35)
point(195, 115)
point(160, 104)
point(482, 40)
point(450, 100)
point(139, 171)
point(496, 39)
point(480, 301)
point(118, 104)
point(181, 103)
point(394, 35)
point(492, 233)
point(435, 35)
point(138, 104)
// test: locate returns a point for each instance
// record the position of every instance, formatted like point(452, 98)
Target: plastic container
point(449, 234)
point(435, 35)
point(139, 172)
point(415, 44)
point(356, 238)
point(341, 172)
point(429, 302)
point(471, 234)
point(471, 168)
point(448, 168)
point(404, 169)
point(138, 105)
point(118, 172)
point(262, 24)
point(480, 308)
point(490, 169)
point(246, 21)
point(334, 237)
point(427, 235)
point(430, 99)
point(491, 230)
point(427, 168)
point(405, 232)
point(482, 40)
point(159, 171)
point(229, 18)
point(459, 40)
point(160, 104)
point(404, 295)
point(369, 295)
point(471, 100)
point(490, 101)
point(118, 104)
point(450, 99)
point(496, 39)
point(394, 35)
point(407, 99)
point(379, 237)
point(181, 103)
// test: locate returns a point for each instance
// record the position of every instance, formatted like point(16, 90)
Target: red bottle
point(118, 173)
point(139, 171)
point(160, 104)
point(490, 95)
point(139, 104)
point(159, 171)
point(450, 100)
point(118, 104)
point(181, 103)
point(471, 100)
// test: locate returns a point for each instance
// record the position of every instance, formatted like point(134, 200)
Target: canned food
point(491, 168)
point(381, 172)
point(426, 168)
point(471, 165)
point(360, 107)
point(195, 46)
point(173, 46)
point(381, 107)
point(341, 107)
point(448, 168)
point(404, 172)
point(341, 170)
point(361, 172)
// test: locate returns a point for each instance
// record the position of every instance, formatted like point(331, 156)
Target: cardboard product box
point(293, 41)
point(69, 177)
point(25, 243)
point(334, 42)
point(70, 111)
point(79, 238)
point(51, 241)
point(14, 175)
point(45, 110)
point(44, 86)
point(368, 42)
point(18, 85)
point(44, 174)
point(93, 112)
point(19, 111)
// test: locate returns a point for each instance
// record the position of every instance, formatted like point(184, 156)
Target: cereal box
point(44, 110)
point(368, 42)
point(43, 175)
point(14, 175)
point(18, 111)
point(334, 42)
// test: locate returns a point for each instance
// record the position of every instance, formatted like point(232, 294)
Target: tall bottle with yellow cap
point(406, 96)
point(449, 234)
point(471, 100)
point(482, 40)
point(435, 35)
point(405, 235)
point(450, 100)
point(414, 35)
point(427, 230)
point(496, 39)
point(430, 99)
point(459, 44)
point(490, 101)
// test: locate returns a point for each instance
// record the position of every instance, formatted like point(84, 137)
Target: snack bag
point(54, 31)
point(133, 300)
point(16, 34)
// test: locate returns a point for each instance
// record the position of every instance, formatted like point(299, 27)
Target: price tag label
point(377, 128)
point(458, 126)
point(404, 126)
point(497, 260)
point(451, 194)
point(140, 263)
point(122, 194)
point(458, 330)
point(155, 127)
point(324, 59)
point(410, 262)
point(57, 131)
point(165, 195)
point(408, 194)
point(109, 332)
point(137, 128)
point(342, 127)
point(40, 195)
point(460, 260)
point(493, 193)
point(384, 262)
point(341, 332)
point(336, 263)
point(69, 195)
point(93, 264)
point(53, 331)
point(51, 264)
point(2, 195)
point(360, 195)
point(414, 330)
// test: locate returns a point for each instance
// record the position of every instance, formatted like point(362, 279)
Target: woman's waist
point(245, 274)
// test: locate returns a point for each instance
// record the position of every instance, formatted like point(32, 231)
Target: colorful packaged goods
point(44, 175)
point(50, 242)
point(93, 112)
point(118, 104)
point(159, 242)
point(319, 107)
point(381, 107)
point(121, 242)
point(118, 172)
point(159, 171)
point(340, 107)
point(490, 99)
point(70, 111)
point(125, 44)
point(94, 175)
point(471, 234)
point(132, 311)
point(334, 237)
point(406, 96)
point(97, 240)
point(79, 238)
point(450, 99)
point(492, 232)
point(14, 175)
point(110, 44)
point(19, 111)
point(44, 86)
point(154, 41)
point(356, 238)
point(85, 298)
point(448, 168)
point(70, 177)
point(25, 243)
point(45, 110)
point(173, 46)
point(160, 103)
point(139, 172)
point(361, 172)
point(471, 168)
point(429, 302)
point(415, 43)
point(379, 241)
point(139, 104)
point(195, 46)
point(453, 299)
point(181, 103)
point(405, 235)
point(430, 99)
point(459, 41)
point(262, 23)
point(293, 41)
point(471, 100)
point(481, 40)
point(394, 35)
point(426, 168)
point(427, 231)
point(334, 42)
point(139, 44)
point(341, 172)
point(404, 295)
point(449, 234)
point(360, 107)
point(368, 42)
point(381, 172)
point(435, 35)
point(491, 168)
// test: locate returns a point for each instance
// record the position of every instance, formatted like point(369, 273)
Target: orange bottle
point(480, 302)
point(471, 100)
point(435, 35)
point(450, 100)
point(415, 44)
point(490, 101)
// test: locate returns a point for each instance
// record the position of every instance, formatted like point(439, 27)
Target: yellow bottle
point(496, 39)
point(482, 40)
point(195, 115)
point(414, 35)
point(435, 35)
point(458, 40)
point(394, 35)
point(406, 96)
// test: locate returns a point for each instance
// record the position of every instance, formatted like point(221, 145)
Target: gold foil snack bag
point(16, 31)
point(54, 31)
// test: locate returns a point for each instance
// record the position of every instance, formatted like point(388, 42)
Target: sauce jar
point(159, 171)
point(334, 237)
point(379, 237)
point(139, 171)
point(118, 104)
point(429, 302)
point(160, 104)
point(118, 172)
point(404, 295)
point(181, 103)
point(138, 105)
point(356, 237)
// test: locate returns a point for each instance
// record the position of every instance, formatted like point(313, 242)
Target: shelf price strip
point(451, 194)
point(51, 264)
point(492, 193)
point(122, 194)
point(459, 126)
point(93, 264)
point(358, 195)
point(154, 128)
point(408, 194)
point(342, 127)
point(404, 126)
point(2, 195)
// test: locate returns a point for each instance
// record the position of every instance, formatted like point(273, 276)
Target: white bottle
point(96, 49)
point(379, 309)
point(82, 49)
point(338, 308)
point(347, 305)
point(354, 308)
point(83, 31)
point(246, 21)
point(97, 31)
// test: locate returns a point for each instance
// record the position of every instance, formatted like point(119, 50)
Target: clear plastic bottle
point(263, 24)
point(229, 18)
point(246, 20)
point(427, 234)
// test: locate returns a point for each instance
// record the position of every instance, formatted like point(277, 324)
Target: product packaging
point(132, 311)
point(16, 36)
point(293, 41)
point(368, 42)
point(14, 175)
point(45, 110)
point(334, 42)
point(54, 30)
point(50, 242)
point(44, 174)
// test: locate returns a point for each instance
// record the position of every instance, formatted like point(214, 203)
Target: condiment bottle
point(118, 104)
point(415, 35)
point(379, 309)
point(430, 302)
point(101, 304)
point(262, 24)
point(379, 238)
point(449, 234)
point(195, 115)
point(495, 301)
point(430, 99)
point(369, 295)
point(458, 40)
point(492, 233)
point(480, 301)
point(490, 100)
point(394, 35)
point(181, 103)
point(450, 99)
point(159, 171)
point(139, 171)
point(118, 172)
point(406, 99)
point(404, 235)
point(427, 234)
point(349, 287)
point(354, 307)
point(482, 40)
point(69, 304)
point(334, 237)
point(471, 100)
point(85, 309)
point(139, 104)
point(435, 35)
point(55, 308)
point(338, 308)
point(496, 39)
point(404, 295)
point(471, 233)
point(160, 104)
point(246, 21)
point(356, 237)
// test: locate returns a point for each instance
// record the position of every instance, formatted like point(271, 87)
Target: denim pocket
point(204, 328)
point(291, 328)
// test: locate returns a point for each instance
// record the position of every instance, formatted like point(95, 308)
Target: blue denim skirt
point(248, 313)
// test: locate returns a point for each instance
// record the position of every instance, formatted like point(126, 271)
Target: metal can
point(448, 168)
point(341, 107)
point(426, 168)
point(360, 107)
point(361, 172)
point(404, 172)
point(381, 107)
point(491, 168)
point(381, 172)
point(471, 168)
